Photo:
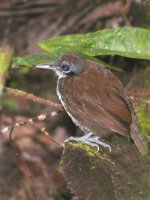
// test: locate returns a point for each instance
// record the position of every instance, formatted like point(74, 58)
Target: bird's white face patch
point(60, 74)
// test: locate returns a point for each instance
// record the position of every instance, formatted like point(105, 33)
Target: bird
point(96, 101)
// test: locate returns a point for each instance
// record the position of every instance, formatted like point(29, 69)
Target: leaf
point(128, 42)
point(5, 61)
point(31, 60)
point(143, 115)
point(104, 64)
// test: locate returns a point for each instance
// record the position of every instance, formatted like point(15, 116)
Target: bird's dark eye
point(65, 67)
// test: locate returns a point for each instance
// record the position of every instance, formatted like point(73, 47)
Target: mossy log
point(122, 174)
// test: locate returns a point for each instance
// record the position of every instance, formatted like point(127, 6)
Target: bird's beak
point(46, 66)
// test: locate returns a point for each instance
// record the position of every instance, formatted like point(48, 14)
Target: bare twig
point(31, 121)
point(24, 167)
point(31, 97)
point(106, 10)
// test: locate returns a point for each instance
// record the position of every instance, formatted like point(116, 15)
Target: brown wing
point(97, 100)
point(93, 100)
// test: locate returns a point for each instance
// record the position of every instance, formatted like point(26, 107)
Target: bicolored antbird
point(95, 100)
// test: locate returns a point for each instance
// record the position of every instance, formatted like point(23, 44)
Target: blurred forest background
point(30, 168)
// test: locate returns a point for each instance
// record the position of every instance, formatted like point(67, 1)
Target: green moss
point(91, 152)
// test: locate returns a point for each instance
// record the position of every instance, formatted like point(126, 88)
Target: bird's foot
point(92, 141)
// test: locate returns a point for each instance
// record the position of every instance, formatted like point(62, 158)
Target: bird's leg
point(95, 140)
point(80, 139)
point(92, 141)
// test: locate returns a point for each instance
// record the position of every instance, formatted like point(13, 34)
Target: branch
point(24, 95)
point(31, 121)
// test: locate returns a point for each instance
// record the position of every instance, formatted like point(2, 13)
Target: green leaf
point(128, 42)
point(143, 115)
point(104, 64)
point(31, 60)
point(5, 61)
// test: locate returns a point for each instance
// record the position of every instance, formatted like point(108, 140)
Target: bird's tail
point(137, 137)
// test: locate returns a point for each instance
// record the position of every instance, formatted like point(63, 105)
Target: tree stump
point(122, 174)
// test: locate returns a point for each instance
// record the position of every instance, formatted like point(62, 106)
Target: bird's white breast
point(84, 129)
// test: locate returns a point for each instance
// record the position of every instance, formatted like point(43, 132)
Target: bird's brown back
point(98, 101)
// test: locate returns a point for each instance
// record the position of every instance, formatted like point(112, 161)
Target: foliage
point(5, 60)
point(31, 60)
point(143, 115)
point(128, 42)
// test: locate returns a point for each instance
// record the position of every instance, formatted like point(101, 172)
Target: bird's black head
point(66, 65)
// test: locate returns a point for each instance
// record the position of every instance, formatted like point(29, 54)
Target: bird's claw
point(92, 141)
